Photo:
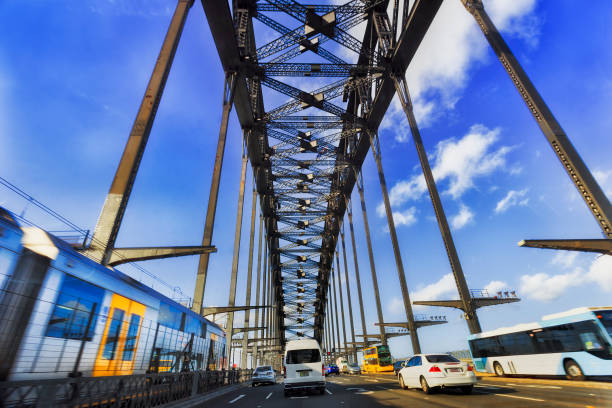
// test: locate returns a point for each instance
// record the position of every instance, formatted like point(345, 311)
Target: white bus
point(576, 343)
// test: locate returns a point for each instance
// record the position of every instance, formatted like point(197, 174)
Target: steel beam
point(464, 293)
point(341, 296)
point(109, 222)
point(348, 292)
point(237, 234)
point(602, 246)
point(333, 287)
point(257, 298)
point(243, 362)
point(200, 286)
point(583, 180)
point(124, 255)
point(372, 265)
point(349, 213)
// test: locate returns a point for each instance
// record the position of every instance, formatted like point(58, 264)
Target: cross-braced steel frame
point(307, 154)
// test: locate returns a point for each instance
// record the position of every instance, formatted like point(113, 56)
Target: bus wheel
point(573, 370)
point(499, 371)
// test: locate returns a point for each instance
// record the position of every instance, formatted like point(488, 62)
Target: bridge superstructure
point(306, 155)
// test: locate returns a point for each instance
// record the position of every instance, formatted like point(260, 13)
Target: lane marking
point(328, 391)
point(269, 395)
point(236, 399)
point(305, 396)
point(552, 387)
point(370, 380)
point(516, 396)
point(365, 392)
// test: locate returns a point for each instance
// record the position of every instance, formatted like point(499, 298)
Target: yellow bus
point(377, 359)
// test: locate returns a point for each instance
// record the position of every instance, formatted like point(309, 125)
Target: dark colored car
point(332, 369)
point(398, 365)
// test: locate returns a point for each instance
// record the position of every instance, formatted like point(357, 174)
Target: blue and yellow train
point(63, 314)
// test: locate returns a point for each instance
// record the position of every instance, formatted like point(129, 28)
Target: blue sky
point(72, 75)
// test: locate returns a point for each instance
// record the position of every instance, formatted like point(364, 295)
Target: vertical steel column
point(579, 173)
point(416, 347)
point(268, 310)
point(257, 298)
point(470, 311)
point(200, 286)
point(331, 322)
point(245, 337)
point(333, 287)
point(232, 295)
point(348, 295)
point(263, 299)
point(383, 336)
point(349, 212)
point(109, 222)
point(341, 297)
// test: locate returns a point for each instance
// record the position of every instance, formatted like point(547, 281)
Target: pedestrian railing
point(143, 390)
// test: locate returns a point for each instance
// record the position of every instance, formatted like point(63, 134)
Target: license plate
point(303, 373)
point(454, 370)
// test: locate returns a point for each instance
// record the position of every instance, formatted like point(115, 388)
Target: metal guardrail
point(144, 390)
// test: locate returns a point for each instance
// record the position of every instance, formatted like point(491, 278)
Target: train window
point(170, 317)
point(77, 301)
point(130, 340)
point(195, 326)
point(112, 336)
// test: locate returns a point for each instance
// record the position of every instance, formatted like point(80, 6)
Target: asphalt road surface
point(384, 391)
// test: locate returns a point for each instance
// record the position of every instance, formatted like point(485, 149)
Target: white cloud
point(604, 178)
point(444, 288)
point(495, 286)
point(512, 199)
point(600, 272)
point(452, 46)
point(407, 217)
point(564, 258)
point(459, 162)
point(545, 287)
point(461, 219)
point(396, 306)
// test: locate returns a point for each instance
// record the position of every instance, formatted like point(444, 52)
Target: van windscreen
point(303, 356)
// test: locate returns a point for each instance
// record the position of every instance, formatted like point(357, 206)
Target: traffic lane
point(523, 394)
point(384, 391)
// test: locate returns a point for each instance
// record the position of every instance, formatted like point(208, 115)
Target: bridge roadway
point(383, 391)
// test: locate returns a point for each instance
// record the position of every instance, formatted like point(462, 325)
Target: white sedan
point(428, 371)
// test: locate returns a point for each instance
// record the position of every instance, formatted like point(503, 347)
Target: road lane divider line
point(516, 396)
point(302, 397)
point(328, 391)
point(269, 395)
point(237, 398)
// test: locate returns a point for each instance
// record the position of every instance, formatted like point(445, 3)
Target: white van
point(303, 367)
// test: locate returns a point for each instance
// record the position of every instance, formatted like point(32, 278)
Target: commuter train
point(62, 314)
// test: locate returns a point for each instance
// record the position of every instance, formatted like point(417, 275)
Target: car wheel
point(253, 385)
point(424, 386)
point(467, 389)
point(401, 383)
point(573, 370)
point(499, 371)
point(322, 391)
point(286, 393)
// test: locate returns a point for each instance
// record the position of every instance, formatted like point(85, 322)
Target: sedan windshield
point(263, 369)
point(441, 358)
point(304, 356)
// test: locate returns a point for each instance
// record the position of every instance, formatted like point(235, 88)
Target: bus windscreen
point(605, 317)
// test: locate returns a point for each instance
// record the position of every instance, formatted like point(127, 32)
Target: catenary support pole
point(254, 361)
point(464, 293)
point(339, 274)
point(109, 222)
point(245, 337)
point(331, 321)
point(263, 298)
point(414, 337)
point(200, 286)
point(232, 295)
point(573, 164)
point(348, 296)
point(349, 213)
point(383, 336)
